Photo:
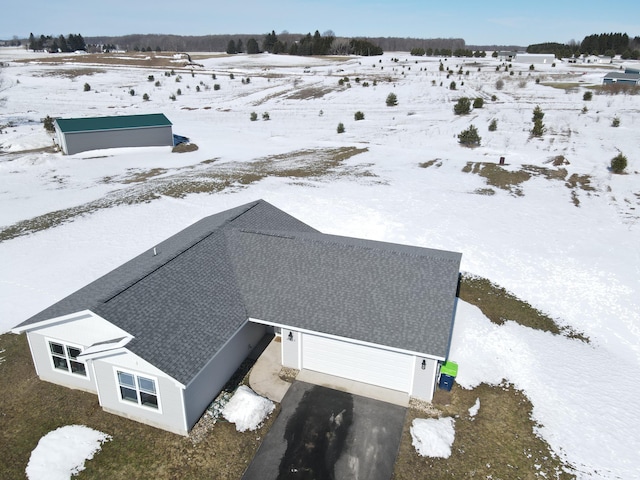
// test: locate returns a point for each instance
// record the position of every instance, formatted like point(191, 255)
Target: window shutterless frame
point(64, 358)
point(137, 389)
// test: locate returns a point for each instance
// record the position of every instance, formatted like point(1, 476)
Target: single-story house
point(598, 59)
point(622, 78)
point(535, 58)
point(506, 55)
point(158, 337)
point(75, 135)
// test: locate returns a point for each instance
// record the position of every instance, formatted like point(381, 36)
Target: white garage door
point(357, 362)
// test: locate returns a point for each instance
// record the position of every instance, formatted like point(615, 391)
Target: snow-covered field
point(578, 263)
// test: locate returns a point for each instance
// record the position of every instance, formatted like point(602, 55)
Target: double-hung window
point(137, 389)
point(65, 357)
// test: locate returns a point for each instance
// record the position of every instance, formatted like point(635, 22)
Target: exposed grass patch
point(511, 181)
point(31, 408)
point(206, 177)
point(185, 148)
point(499, 305)
point(485, 191)
point(131, 59)
point(143, 176)
point(71, 73)
point(567, 86)
point(499, 442)
point(499, 177)
point(436, 161)
point(310, 93)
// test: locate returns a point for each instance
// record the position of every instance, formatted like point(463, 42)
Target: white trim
point(346, 339)
point(413, 375)
point(81, 315)
point(65, 345)
point(93, 368)
point(183, 410)
point(33, 358)
point(95, 351)
point(137, 404)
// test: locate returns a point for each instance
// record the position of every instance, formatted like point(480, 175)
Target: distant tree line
point(609, 44)
point(57, 44)
point(283, 42)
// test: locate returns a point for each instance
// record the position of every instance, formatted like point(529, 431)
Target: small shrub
point(253, 117)
point(157, 84)
point(392, 100)
point(499, 84)
point(197, 88)
point(340, 128)
point(493, 126)
point(478, 102)
point(511, 73)
point(537, 81)
point(615, 122)
point(145, 97)
point(341, 82)
point(452, 86)
point(231, 76)
point(179, 92)
point(265, 116)
point(216, 86)
point(178, 78)
point(469, 137)
point(213, 76)
point(248, 80)
point(172, 97)
point(87, 87)
point(365, 84)
point(494, 98)
point(151, 78)
point(587, 96)
point(531, 67)
point(358, 116)
point(132, 92)
point(618, 163)
point(585, 109)
point(48, 124)
point(462, 107)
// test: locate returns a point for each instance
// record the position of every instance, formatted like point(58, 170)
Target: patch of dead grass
point(70, 73)
point(499, 442)
point(500, 305)
point(31, 408)
point(207, 177)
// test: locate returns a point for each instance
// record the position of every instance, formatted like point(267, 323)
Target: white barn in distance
point(75, 135)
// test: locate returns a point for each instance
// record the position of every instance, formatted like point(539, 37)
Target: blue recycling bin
point(446, 382)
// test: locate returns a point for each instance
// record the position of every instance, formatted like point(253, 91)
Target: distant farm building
point(75, 135)
point(535, 58)
point(626, 78)
point(506, 56)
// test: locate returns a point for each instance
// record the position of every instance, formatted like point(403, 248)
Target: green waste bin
point(448, 372)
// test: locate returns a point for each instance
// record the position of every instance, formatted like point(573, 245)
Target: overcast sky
point(490, 22)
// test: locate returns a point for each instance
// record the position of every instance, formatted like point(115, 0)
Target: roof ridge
point(175, 255)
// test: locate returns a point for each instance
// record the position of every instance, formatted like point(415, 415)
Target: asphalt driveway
point(327, 434)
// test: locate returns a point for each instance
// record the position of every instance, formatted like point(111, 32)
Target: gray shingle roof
point(256, 261)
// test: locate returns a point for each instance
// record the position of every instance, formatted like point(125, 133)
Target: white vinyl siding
point(357, 362)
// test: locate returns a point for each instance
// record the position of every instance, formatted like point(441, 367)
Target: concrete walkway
point(264, 379)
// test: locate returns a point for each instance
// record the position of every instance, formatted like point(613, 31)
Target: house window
point(65, 357)
point(137, 389)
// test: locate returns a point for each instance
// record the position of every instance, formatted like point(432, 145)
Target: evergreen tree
point(252, 46)
point(231, 47)
point(269, 41)
point(33, 44)
point(469, 137)
point(239, 46)
point(462, 107)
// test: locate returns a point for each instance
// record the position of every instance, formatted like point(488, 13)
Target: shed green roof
point(90, 124)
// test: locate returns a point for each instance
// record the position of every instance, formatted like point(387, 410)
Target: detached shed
point(535, 58)
point(77, 135)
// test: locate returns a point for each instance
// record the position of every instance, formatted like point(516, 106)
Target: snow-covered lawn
point(567, 250)
point(62, 452)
